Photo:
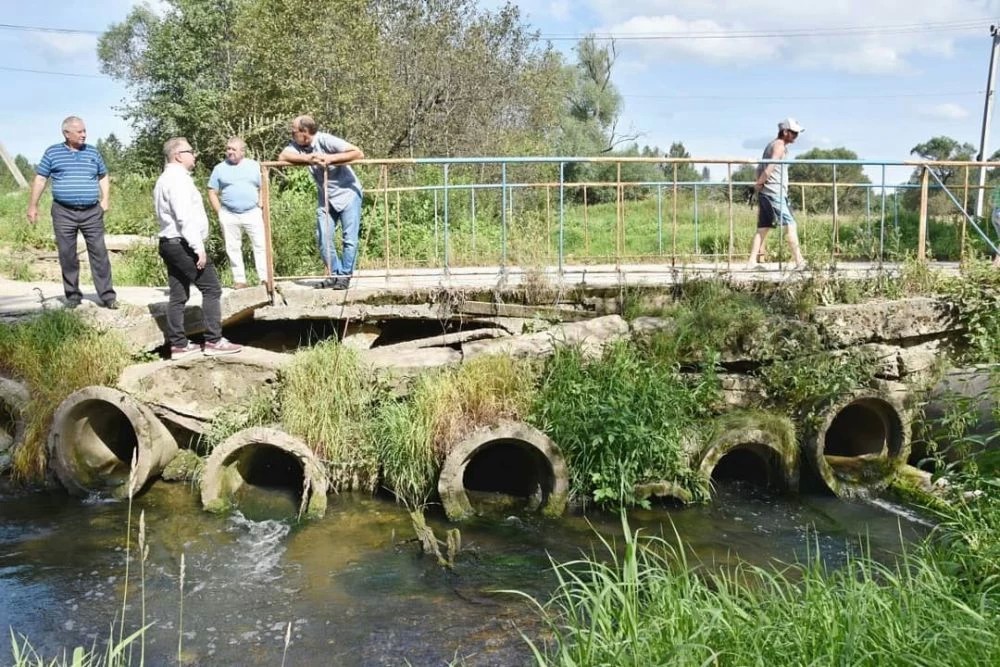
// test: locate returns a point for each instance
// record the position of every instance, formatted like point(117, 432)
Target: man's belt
point(77, 207)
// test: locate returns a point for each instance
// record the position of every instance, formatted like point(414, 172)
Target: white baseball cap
point(791, 124)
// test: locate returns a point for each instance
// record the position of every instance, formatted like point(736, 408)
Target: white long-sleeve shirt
point(180, 208)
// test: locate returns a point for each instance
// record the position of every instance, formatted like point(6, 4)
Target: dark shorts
point(773, 212)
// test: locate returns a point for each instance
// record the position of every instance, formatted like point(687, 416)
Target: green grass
point(416, 433)
point(326, 398)
point(644, 604)
point(623, 419)
point(55, 354)
point(411, 231)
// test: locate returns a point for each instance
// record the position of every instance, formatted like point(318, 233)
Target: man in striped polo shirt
point(80, 189)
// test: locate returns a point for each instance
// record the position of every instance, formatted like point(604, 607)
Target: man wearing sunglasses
point(183, 230)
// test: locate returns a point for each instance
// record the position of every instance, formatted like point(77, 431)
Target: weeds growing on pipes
point(643, 603)
point(416, 433)
point(327, 398)
point(259, 408)
point(622, 419)
point(56, 354)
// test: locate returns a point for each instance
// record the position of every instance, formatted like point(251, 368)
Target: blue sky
point(875, 76)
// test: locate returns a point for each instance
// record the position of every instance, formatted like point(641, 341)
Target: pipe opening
point(8, 425)
point(749, 463)
point(105, 439)
point(865, 428)
point(269, 481)
point(509, 472)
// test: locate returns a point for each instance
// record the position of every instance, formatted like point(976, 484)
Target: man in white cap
point(772, 188)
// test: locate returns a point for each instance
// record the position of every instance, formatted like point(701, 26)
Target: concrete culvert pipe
point(753, 453)
point(94, 433)
point(511, 460)
point(859, 442)
point(263, 458)
point(13, 404)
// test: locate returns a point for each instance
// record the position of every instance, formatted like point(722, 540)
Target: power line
point(842, 31)
point(38, 28)
point(44, 71)
point(857, 96)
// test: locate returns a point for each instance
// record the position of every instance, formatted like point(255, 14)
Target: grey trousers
point(67, 223)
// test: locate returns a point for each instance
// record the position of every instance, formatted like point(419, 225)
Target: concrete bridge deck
point(19, 298)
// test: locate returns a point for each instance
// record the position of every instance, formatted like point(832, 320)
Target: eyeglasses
point(188, 150)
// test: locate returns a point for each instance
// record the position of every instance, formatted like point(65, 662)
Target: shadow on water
point(353, 584)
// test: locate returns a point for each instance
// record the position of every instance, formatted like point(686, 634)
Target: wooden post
point(732, 236)
point(673, 255)
point(548, 224)
point(385, 214)
point(922, 229)
point(265, 195)
point(586, 224)
point(965, 213)
point(620, 217)
point(14, 171)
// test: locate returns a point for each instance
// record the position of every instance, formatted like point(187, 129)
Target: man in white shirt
point(183, 230)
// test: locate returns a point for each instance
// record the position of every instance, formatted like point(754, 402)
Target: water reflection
point(353, 585)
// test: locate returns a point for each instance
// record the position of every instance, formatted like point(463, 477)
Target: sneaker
point(189, 350)
point(330, 282)
point(111, 304)
point(342, 282)
point(221, 347)
point(73, 303)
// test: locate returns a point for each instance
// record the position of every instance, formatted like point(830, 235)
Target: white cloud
point(946, 111)
point(855, 36)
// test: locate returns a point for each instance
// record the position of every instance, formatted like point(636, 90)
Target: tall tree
point(819, 199)
point(944, 149)
point(395, 77)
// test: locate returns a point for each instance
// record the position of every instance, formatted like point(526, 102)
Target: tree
point(940, 148)
point(820, 199)
point(943, 149)
point(685, 170)
point(397, 78)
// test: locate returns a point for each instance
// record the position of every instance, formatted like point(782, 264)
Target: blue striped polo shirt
point(74, 174)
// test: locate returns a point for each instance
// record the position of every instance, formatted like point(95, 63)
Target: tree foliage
point(820, 199)
point(441, 77)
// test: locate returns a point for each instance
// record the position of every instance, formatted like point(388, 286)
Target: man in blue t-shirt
point(234, 192)
point(338, 192)
point(80, 191)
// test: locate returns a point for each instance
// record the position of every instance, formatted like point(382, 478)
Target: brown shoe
point(239, 285)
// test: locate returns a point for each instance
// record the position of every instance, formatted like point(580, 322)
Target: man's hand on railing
point(750, 196)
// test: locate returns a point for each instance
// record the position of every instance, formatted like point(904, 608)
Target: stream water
point(353, 585)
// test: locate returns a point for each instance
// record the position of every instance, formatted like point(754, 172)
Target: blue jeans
point(349, 220)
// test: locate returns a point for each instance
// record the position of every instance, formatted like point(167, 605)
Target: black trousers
point(67, 223)
point(182, 271)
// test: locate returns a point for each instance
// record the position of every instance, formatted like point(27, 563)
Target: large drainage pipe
point(762, 452)
point(511, 459)
point(860, 441)
point(13, 404)
point(96, 431)
point(263, 458)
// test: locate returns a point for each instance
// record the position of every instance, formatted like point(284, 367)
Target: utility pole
point(14, 171)
point(987, 118)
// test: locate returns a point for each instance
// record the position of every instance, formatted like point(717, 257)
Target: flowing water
point(353, 586)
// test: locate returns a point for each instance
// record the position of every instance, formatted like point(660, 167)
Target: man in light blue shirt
point(339, 194)
point(234, 192)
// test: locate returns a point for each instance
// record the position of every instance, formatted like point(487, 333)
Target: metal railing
point(644, 212)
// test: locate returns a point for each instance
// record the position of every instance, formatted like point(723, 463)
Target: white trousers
point(233, 226)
